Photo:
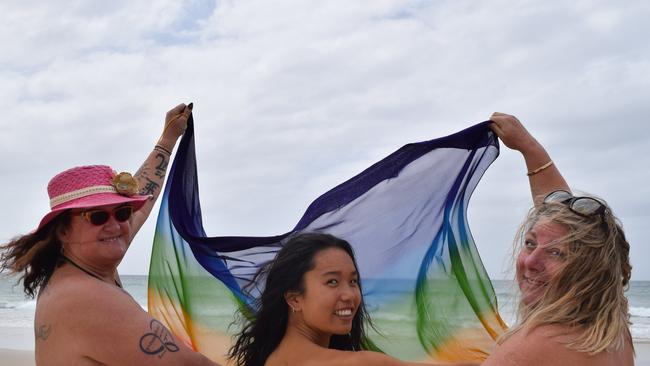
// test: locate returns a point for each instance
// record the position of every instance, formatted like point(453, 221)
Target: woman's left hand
point(512, 132)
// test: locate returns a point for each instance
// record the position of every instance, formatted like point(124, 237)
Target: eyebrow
point(338, 273)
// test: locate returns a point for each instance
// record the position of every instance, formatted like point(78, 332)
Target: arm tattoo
point(150, 188)
point(161, 168)
point(43, 332)
point(158, 341)
point(151, 181)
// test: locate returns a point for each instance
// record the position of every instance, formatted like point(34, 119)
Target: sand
point(17, 348)
point(12, 357)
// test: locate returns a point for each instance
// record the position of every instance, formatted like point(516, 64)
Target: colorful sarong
point(406, 217)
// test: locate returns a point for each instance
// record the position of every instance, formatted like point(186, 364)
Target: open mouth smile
point(344, 312)
point(111, 239)
point(534, 282)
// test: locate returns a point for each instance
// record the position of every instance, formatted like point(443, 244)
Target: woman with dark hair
point(311, 310)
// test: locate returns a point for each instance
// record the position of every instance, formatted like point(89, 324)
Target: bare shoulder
point(319, 356)
point(94, 320)
point(546, 345)
point(75, 287)
point(349, 358)
point(80, 301)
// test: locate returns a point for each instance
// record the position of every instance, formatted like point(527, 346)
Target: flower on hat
point(125, 184)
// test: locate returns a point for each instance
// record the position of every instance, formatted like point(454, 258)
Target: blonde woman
point(572, 269)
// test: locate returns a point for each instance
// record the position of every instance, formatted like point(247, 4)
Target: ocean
point(18, 312)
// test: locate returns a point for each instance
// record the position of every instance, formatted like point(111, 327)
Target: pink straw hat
point(90, 186)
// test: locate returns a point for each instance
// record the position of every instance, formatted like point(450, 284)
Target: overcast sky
point(292, 97)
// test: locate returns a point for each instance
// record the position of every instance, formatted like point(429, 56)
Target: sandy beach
point(11, 357)
point(17, 348)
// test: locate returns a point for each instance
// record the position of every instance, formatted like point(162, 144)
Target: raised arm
point(151, 174)
point(543, 175)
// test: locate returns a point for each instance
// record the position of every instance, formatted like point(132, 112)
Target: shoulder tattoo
point(42, 333)
point(158, 341)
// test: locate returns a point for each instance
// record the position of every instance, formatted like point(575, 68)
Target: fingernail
point(190, 106)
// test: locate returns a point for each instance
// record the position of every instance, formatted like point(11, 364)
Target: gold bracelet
point(540, 168)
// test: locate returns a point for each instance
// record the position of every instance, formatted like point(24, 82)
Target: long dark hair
point(262, 333)
point(35, 255)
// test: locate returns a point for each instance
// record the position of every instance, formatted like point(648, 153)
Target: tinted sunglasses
point(99, 217)
point(585, 206)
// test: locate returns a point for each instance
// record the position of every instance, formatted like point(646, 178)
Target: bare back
point(543, 346)
point(300, 352)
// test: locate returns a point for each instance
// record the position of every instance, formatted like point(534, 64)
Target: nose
point(349, 293)
point(112, 223)
point(535, 260)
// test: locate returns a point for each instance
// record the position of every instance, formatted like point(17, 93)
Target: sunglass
point(100, 217)
point(585, 206)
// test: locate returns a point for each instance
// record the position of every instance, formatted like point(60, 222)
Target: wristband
point(161, 149)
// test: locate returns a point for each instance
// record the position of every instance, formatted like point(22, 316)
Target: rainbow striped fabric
point(406, 216)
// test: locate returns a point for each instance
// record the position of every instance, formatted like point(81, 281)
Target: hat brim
point(95, 200)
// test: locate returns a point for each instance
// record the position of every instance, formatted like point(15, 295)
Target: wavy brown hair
point(35, 255)
point(586, 296)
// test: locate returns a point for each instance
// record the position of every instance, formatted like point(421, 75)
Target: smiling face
point(331, 295)
point(540, 259)
point(96, 245)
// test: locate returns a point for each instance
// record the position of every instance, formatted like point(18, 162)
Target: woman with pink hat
point(83, 316)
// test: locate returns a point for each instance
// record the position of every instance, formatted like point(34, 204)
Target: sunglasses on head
point(585, 206)
point(99, 217)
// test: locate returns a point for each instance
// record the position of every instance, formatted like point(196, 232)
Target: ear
point(62, 233)
point(294, 300)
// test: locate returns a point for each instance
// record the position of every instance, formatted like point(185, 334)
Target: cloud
point(293, 97)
